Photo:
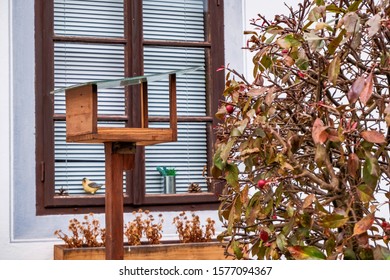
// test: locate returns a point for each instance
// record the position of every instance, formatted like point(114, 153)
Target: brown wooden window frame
point(134, 197)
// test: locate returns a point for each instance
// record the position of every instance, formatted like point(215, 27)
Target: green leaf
point(334, 221)
point(288, 41)
point(354, 6)
point(265, 62)
point(349, 254)
point(371, 170)
point(306, 253)
point(271, 39)
point(366, 254)
point(330, 245)
point(237, 250)
point(333, 45)
point(334, 9)
point(232, 175)
point(305, 220)
point(225, 151)
point(218, 162)
point(281, 242)
point(320, 2)
point(269, 207)
point(366, 193)
point(381, 253)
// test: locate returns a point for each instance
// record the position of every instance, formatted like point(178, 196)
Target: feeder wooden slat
point(139, 136)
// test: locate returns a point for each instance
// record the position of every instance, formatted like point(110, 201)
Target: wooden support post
point(119, 157)
point(173, 106)
point(144, 105)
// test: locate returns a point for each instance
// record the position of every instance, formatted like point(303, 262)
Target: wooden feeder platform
point(119, 143)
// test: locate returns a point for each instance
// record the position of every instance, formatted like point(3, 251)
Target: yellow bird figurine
point(90, 187)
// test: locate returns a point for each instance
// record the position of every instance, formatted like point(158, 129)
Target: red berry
point(261, 184)
point(264, 235)
point(274, 217)
point(385, 225)
point(229, 108)
point(301, 75)
point(284, 51)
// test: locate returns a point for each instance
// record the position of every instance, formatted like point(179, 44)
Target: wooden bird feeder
point(119, 143)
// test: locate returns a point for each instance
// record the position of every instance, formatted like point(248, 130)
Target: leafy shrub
point(304, 148)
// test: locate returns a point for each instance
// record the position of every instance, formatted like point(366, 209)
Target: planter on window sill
point(169, 183)
point(166, 251)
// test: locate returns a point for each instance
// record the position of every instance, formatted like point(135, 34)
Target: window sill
point(80, 204)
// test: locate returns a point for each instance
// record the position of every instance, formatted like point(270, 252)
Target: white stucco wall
point(4, 124)
point(267, 8)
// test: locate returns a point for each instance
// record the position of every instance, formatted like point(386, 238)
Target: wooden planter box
point(173, 251)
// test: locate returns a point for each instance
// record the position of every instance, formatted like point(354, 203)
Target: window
point(79, 41)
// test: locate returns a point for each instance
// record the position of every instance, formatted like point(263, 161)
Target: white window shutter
point(177, 20)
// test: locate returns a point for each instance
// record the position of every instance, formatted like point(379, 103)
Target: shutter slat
point(174, 20)
point(78, 63)
point(89, 18)
point(188, 156)
point(191, 88)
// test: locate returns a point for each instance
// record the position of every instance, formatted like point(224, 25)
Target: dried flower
point(192, 230)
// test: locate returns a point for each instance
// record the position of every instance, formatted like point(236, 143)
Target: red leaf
point(319, 133)
point(356, 89)
point(373, 136)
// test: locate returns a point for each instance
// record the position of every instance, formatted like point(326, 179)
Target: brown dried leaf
point(288, 60)
point(373, 136)
point(351, 22)
point(320, 155)
point(353, 165)
point(366, 93)
point(334, 70)
point(319, 133)
point(364, 224)
point(374, 24)
point(269, 98)
point(254, 92)
point(309, 200)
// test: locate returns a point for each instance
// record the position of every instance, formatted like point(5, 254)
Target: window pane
point(174, 20)
point(188, 156)
point(99, 18)
point(79, 63)
point(191, 88)
point(74, 161)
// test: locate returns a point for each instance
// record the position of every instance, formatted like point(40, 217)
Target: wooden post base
point(119, 157)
